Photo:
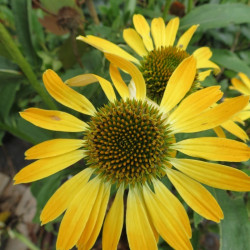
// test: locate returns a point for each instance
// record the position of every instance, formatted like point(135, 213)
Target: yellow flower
point(230, 125)
point(157, 61)
point(243, 85)
point(131, 144)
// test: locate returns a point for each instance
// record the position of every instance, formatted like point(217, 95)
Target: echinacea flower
point(131, 144)
point(160, 56)
point(243, 85)
point(232, 127)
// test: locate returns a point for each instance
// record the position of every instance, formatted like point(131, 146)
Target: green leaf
point(7, 97)
point(230, 60)
point(235, 228)
point(6, 16)
point(197, 219)
point(22, 11)
point(130, 6)
point(245, 56)
point(9, 84)
point(7, 64)
point(8, 71)
point(4, 52)
point(195, 240)
point(211, 16)
point(1, 137)
point(36, 30)
point(34, 134)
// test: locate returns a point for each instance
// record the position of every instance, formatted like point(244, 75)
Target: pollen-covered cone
point(158, 52)
point(130, 143)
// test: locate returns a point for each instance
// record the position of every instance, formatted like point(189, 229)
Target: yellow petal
point(215, 175)
point(176, 208)
point(77, 215)
point(158, 32)
point(196, 196)
point(53, 120)
point(203, 75)
point(214, 149)
point(234, 129)
point(96, 218)
point(213, 117)
point(219, 132)
point(47, 166)
point(248, 107)
point(63, 196)
point(143, 29)
point(120, 85)
point(107, 47)
point(240, 86)
point(179, 84)
point(134, 41)
point(244, 115)
point(156, 234)
point(186, 37)
point(65, 95)
point(139, 232)
point(85, 235)
point(112, 228)
point(83, 80)
point(171, 31)
point(245, 79)
point(194, 104)
point(53, 148)
point(134, 72)
point(166, 224)
point(202, 55)
point(238, 117)
point(132, 90)
point(208, 64)
point(98, 225)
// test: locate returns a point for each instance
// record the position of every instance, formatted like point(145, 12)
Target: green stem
point(92, 11)
point(16, 56)
point(190, 5)
point(24, 240)
point(166, 9)
point(150, 3)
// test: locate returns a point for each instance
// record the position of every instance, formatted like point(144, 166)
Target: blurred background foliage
point(40, 34)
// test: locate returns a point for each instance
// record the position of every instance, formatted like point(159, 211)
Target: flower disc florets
point(128, 142)
point(158, 66)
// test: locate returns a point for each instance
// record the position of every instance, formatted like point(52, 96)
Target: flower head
point(160, 56)
point(242, 85)
point(131, 144)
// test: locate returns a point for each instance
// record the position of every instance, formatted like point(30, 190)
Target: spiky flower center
point(158, 66)
point(128, 142)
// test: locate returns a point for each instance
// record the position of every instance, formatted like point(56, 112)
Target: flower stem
point(23, 239)
point(16, 56)
point(166, 8)
point(92, 11)
point(190, 5)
